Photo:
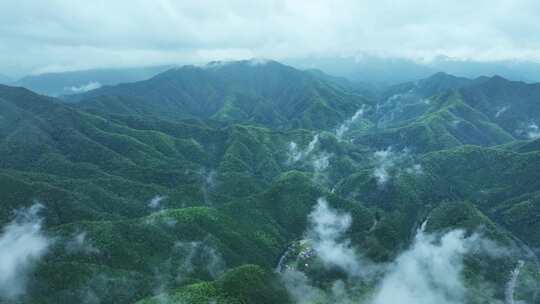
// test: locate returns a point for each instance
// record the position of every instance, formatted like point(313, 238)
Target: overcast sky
point(56, 35)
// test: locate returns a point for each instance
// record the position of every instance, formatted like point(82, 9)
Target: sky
point(59, 35)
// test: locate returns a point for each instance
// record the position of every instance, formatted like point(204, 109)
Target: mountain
point(513, 105)
point(436, 83)
point(402, 102)
point(370, 69)
point(305, 192)
point(98, 177)
point(444, 111)
point(441, 122)
point(64, 83)
point(43, 136)
point(265, 93)
point(391, 71)
point(5, 79)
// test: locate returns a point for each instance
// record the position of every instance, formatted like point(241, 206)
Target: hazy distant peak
point(498, 78)
point(443, 76)
point(61, 83)
point(5, 79)
point(233, 67)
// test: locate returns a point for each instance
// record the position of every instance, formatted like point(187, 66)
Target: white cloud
point(92, 85)
point(384, 162)
point(533, 132)
point(296, 154)
point(346, 125)
point(429, 272)
point(389, 163)
point(208, 185)
point(79, 243)
point(22, 244)
point(501, 111)
point(415, 169)
point(199, 251)
point(155, 202)
point(512, 283)
point(327, 232)
point(300, 288)
point(320, 163)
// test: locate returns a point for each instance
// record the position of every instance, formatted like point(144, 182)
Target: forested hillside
point(255, 182)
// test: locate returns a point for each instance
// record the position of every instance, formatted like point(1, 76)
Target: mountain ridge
point(266, 93)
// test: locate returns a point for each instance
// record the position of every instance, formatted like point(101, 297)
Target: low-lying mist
point(430, 270)
point(22, 244)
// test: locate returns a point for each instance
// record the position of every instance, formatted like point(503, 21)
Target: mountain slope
point(44, 141)
point(444, 111)
point(513, 105)
point(440, 122)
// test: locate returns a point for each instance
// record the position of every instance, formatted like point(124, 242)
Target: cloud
point(22, 244)
point(533, 132)
point(258, 61)
point(529, 130)
point(100, 287)
point(63, 34)
point(512, 283)
point(320, 163)
point(79, 243)
point(320, 160)
point(300, 288)
point(161, 217)
point(199, 253)
point(92, 85)
point(195, 257)
point(155, 202)
point(385, 161)
point(430, 271)
point(501, 111)
point(415, 169)
point(208, 185)
point(390, 163)
point(296, 154)
point(327, 232)
point(346, 125)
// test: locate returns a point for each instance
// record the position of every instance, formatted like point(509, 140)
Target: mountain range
point(394, 70)
point(255, 182)
point(74, 82)
point(263, 93)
